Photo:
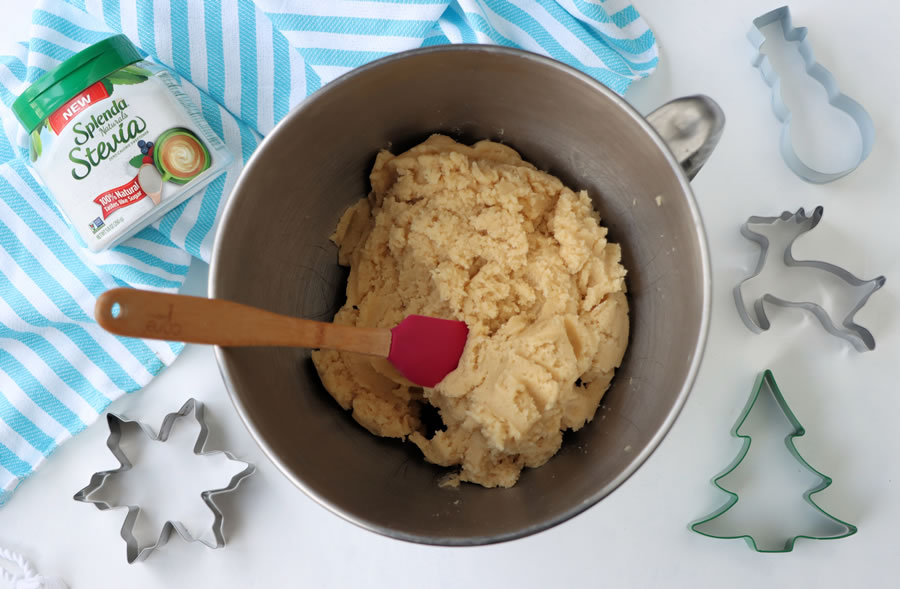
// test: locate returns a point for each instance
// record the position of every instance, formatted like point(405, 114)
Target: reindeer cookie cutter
point(836, 98)
point(757, 320)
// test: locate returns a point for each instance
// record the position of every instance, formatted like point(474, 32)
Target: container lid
point(59, 85)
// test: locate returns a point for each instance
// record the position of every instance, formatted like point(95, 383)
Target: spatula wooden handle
point(199, 320)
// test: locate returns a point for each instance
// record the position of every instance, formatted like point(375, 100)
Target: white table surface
point(638, 536)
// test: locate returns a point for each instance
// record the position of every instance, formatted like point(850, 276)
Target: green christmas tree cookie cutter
point(767, 380)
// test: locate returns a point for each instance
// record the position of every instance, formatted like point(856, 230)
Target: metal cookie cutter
point(820, 74)
point(134, 551)
point(767, 380)
point(859, 336)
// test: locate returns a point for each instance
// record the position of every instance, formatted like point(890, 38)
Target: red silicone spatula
point(423, 349)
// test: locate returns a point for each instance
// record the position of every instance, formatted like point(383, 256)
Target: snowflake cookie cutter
point(861, 338)
point(134, 551)
point(814, 69)
point(766, 380)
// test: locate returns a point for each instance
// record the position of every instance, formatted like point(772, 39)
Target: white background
point(638, 536)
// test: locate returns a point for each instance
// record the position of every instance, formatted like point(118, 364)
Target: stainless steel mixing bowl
point(272, 251)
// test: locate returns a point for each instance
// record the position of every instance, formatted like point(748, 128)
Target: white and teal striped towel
point(246, 63)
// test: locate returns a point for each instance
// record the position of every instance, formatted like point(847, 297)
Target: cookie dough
point(479, 235)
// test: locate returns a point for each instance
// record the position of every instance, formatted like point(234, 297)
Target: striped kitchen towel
point(246, 63)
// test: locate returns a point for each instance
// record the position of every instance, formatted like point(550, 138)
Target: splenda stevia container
point(116, 141)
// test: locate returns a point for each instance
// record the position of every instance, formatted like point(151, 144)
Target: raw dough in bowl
point(479, 235)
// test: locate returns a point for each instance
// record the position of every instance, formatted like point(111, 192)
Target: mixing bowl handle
point(691, 127)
